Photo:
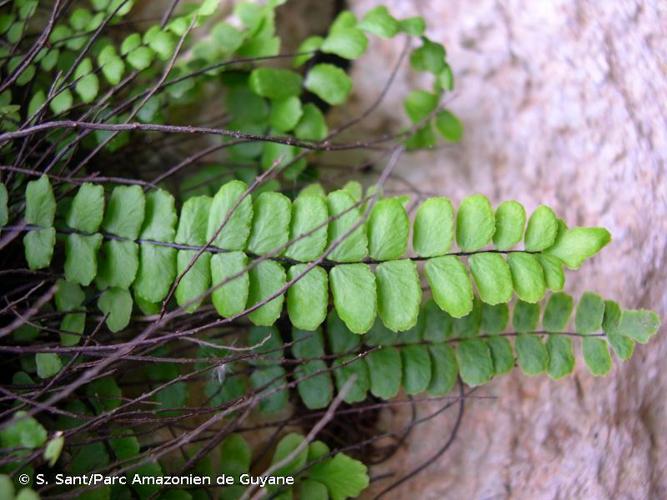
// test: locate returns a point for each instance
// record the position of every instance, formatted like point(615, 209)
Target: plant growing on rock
point(182, 293)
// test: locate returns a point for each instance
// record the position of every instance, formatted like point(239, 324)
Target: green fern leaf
point(527, 276)
point(266, 278)
point(437, 324)
point(343, 476)
point(532, 354)
point(494, 318)
point(157, 264)
point(469, 325)
point(312, 126)
point(117, 304)
point(354, 295)
point(510, 219)
point(541, 230)
point(40, 210)
point(450, 284)
point(270, 225)
point(192, 227)
point(436, 212)
point(355, 245)
point(344, 368)
point(81, 258)
point(231, 298)
point(309, 216)
point(68, 296)
point(384, 367)
point(596, 356)
point(285, 114)
point(623, 346)
point(561, 356)
point(640, 325)
point(573, 246)
point(235, 455)
point(557, 312)
point(38, 245)
point(475, 223)
point(308, 298)
point(40, 204)
point(590, 311)
point(525, 316)
point(313, 490)
point(329, 83)
point(348, 43)
point(416, 363)
point(492, 276)
point(288, 444)
point(398, 294)
point(379, 22)
point(388, 230)
point(444, 369)
point(275, 83)
point(340, 338)
point(475, 363)
point(554, 277)
point(72, 327)
point(316, 388)
point(267, 381)
point(501, 354)
point(230, 217)
point(125, 212)
point(118, 264)
point(87, 208)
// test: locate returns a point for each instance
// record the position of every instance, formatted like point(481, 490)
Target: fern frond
point(488, 342)
point(243, 249)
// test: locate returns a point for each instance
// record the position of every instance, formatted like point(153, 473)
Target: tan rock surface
point(565, 103)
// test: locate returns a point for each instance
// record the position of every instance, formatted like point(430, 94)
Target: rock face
point(564, 103)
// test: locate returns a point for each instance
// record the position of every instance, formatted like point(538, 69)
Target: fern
point(315, 468)
point(240, 245)
point(351, 295)
point(488, 342)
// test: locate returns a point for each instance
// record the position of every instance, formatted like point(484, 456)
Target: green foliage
point(307, 298)
point(542, 229)
point(275, 84)
point(316, 387)
point(433, 212)
point(140, 230)
point(354, 295)
point(318, 473)
point(23, 431)
point(475, 223)
point(429, 57)
point(48, 364)
point(575, 245)
point(449, 126)
point(379, 22)
point(263, 255)
point(388, 230)
point(398, 294)
point(116, 304)
point(477, 347)
point(329, 83)
point(419, 104)
point(53, 449)
point(450, 285)
point(40, 209)
point(344, 477)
